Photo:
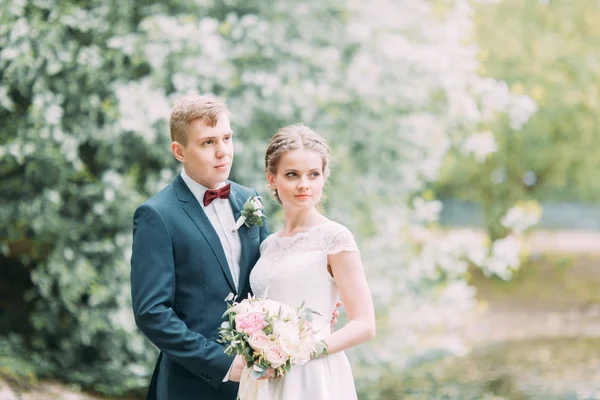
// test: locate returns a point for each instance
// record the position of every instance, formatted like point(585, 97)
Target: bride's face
point(299, 180)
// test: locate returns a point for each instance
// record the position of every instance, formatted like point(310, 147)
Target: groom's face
point(208, 155)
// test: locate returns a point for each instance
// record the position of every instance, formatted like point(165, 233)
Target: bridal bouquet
point(268, 334)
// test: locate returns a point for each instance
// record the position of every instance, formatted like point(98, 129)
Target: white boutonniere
point(252, 213)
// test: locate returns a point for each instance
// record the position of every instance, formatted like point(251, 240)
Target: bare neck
point(300, 220)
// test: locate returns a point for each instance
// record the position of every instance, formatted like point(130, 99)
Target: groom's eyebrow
point(228, 133)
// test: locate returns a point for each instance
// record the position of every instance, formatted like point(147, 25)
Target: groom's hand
point(335, 314)
point(237, 367)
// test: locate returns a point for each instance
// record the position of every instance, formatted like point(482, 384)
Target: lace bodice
point(293, 269)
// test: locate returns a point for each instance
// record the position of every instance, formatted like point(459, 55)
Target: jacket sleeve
point(153, 291)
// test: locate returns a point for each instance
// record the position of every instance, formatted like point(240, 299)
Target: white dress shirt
point(220, 214)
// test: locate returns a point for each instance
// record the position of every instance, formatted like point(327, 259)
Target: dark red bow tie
point(222, 193)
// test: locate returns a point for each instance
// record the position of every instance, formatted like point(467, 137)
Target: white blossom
point(123, 318)
point(481, 145)
point(140, 107)
point(427, 211)
point(520, 111)
point(20, 29)
point(504, 257)
point(53, 196)
point(522, 216)
point(54, 114)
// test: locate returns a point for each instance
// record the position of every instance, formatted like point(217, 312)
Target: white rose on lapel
point(252, 213)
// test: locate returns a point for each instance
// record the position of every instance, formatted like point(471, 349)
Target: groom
point(186, 259)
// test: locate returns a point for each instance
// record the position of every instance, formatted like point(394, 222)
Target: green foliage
point(15, 367)
point(69, 186)
point(550, 51)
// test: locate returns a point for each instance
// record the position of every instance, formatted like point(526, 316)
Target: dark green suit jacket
point(179, 280)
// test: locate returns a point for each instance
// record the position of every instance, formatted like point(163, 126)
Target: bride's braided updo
point(295, 137)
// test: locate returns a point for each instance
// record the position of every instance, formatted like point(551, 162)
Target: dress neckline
point(310, 229)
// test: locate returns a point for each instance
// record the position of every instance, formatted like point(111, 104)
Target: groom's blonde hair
point(190, 108)
point(295, 137)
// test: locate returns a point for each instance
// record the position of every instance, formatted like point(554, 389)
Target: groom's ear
point(177, 150)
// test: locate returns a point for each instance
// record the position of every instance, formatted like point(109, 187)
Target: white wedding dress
point(292, 270)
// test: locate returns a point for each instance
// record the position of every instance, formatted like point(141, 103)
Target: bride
point(312, 260)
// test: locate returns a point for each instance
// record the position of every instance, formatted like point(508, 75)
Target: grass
point(549, 369)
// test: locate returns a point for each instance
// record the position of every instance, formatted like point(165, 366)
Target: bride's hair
point(295, 137)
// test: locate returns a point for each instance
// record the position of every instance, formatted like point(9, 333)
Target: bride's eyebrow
point(295, 170)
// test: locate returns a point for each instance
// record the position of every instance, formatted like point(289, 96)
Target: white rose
point(301, 357)
point(256, 203)
point(285, 329)
point(276, 356)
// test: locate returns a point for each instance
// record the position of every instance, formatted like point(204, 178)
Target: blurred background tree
point(550, 51)
point(70, 179)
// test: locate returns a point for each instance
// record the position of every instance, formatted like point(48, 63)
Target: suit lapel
point(196, 213)
point(237, 200)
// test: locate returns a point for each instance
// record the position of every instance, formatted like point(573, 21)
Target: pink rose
point(259, 341)
point(276, 356)
point(250, 323)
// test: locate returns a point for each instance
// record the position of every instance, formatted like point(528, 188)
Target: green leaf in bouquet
point(322, 348)
point(230, 297)
point(228, 311)
point(287, 366)
point(229, 350)
point(257, 372)
point(247, 353)
point(309, 314)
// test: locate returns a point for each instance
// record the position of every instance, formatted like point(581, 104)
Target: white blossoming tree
point(83, 107)
point(424, 97)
